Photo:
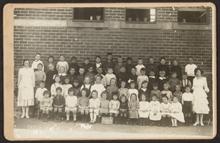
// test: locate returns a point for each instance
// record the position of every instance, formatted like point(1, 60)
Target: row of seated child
point(135, 106)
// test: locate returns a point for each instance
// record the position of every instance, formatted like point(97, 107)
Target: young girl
point(83, 104)
point(152, 80)
point(81, 75)
point(98, 86)
point(123, 90)
point(71, 104)
point(50, 61)
point(133, 108)
point(87, 84)
point(66, 86)
point(122, 75)
point(142, 77)
point(50, 76)
point(161, 79)
point(104, 106)
point(73, 74)
point(76, 87)
point(167, 92)
point(94, 105)
point(58, 104)
point(114, 105)
point(144, 91)
point(165, 108)
point(38, 97)
point(176, 112)
point(154, 107)
point(123, 109)
point(39, 74)
point(132, 75)
point(200, 102)
point(155, 92)
point(46, 104)
point(37, 60)
point(139, 66)
point(109, 75)
point(187, 99)
point(132, 90)
point(173, 81)
point(143, 110)
point(62, 63)
point(178, 93)
point(55, 85)
point(112, 88)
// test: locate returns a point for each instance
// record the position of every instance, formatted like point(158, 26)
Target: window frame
point(195, 10)
point(140, 22)
point(88, 20)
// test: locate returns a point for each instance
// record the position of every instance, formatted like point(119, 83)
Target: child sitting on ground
point(176, 112)
point(123, 109)
point(114, 105)
point(58, 104)
point(143, 110)
point(71, 104)
point(94, 105)
point(83, 104)
point(133, 108)
point(46, 105)
point(165, 111)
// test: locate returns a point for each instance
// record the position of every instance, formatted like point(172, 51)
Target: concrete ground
point(35, 128)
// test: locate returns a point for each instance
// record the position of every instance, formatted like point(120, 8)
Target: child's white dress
point(138, 69)
point(143, 110)
point(39, 93)
point(66, 87)
point(114, 106)
point(176, 112)
point(26, 83)
point(94, 105)
point(200, 102)
point(165, 108)
point(155, 114)
point(140, 79)
point(71, 103)
point(99, 88)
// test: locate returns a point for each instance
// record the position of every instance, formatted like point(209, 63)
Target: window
point(193, 17)
point(90, 14)
point(141, 15)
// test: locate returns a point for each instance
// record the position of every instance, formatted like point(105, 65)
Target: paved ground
point(32, 128)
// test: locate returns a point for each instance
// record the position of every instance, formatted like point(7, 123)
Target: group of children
point(130, 94)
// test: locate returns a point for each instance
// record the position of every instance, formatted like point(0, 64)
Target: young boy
point(189, 69)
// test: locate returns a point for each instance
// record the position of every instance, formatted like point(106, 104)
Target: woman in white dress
point(200, 102)
point(26, 84)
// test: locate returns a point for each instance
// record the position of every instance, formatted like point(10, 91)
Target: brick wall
point(88, 42)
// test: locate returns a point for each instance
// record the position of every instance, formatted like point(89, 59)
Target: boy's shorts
point(71, 109)
point(95, 111)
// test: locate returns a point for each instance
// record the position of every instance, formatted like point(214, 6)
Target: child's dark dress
point(144, 92)
point(49, 79)
point(59, 101)
point(161, 81)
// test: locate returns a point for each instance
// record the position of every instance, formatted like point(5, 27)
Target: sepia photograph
point(110, 71)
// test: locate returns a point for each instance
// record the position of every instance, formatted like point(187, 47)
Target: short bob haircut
point(198, 69)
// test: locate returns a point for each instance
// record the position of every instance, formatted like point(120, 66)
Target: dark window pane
point(140, 15)
point(88, 14)
point(199, 17)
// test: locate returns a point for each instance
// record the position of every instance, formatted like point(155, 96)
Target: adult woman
point(26, 83)
point(200, 102)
